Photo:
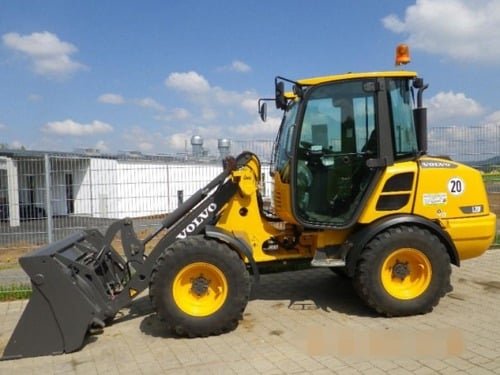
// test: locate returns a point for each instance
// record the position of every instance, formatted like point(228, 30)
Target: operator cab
point(337, 135)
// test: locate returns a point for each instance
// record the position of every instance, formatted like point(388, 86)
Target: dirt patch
point(141, 235)
point(276, 332)
point(456, 296)
point(247, 322)
point(490, 286)
point(9, 256)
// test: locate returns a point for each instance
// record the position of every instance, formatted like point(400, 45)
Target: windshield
point(283, 145)
point(339, 117)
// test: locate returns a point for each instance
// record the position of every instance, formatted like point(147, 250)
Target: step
point(328, 262)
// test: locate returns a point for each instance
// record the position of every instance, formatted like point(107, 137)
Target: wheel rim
point(200, 289)
point(406, 273)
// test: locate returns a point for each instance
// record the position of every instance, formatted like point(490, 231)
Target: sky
point(148, 75)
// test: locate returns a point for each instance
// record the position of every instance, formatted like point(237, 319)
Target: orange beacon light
point(402, 54)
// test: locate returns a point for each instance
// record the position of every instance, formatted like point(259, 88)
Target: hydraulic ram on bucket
point(80, 282)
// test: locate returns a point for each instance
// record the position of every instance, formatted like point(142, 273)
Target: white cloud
point(50, 55)
point(176, 139)
point(494, 117)
point(117, 99)
point(250, 105)
point(102, 146)
point(393, 23)
point(219, 113)
point(110, 98)
point(149, 103)
point(234, 98)
point(141, 139)
point(236, 66)
point(190, 82)
point(253, 130)
point(178, 142)
point(16, 145)
point(181, 141)
point(73, 128)
point(450, 106)
point(240, 66)
point(180, 114)
point(174, 114)
point(3, 126)
point(258, 129)
point(208, 114)
point(211, 98)
point(460, 29)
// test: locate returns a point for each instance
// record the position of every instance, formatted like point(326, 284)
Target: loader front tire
point(199, 287)
point(403, 271)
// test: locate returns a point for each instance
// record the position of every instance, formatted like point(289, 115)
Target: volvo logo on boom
point(191, 227)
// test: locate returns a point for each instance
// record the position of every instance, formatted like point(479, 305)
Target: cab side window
point(405, 138)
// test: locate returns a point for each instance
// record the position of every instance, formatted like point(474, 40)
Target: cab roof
point(341, 77)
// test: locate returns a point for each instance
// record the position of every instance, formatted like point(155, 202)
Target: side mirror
point(263, 111)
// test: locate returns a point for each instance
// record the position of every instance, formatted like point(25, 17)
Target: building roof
point(95, 154)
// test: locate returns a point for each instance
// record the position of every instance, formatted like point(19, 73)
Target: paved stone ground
point(294, 323)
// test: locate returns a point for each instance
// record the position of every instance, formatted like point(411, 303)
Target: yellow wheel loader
point(354, 191)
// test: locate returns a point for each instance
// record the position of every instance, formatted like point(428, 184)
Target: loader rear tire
point(403, 271)
point(199, 287)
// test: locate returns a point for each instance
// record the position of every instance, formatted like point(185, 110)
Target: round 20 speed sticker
point(456, 186)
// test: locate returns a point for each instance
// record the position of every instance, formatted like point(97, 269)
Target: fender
point(355, 244)
point(235, 243)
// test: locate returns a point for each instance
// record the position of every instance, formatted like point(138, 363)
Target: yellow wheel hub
point(200, 289)
point(406, 273)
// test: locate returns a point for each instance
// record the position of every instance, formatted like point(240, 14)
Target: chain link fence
point(46, 196)
point(477, 146)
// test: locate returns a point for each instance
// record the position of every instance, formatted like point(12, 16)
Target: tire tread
point(363, 278)
point(174, 256)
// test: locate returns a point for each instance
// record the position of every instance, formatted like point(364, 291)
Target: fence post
point(263, 184)
point(91, 190)
point(48, 202)
point(13, 192)
point(180, 197)
point(169, 208)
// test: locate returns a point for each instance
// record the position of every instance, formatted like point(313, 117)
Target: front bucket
point(68, 298)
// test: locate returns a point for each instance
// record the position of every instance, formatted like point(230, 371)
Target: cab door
point(338, 134)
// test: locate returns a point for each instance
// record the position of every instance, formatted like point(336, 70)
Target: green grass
point(491, 177)
point(8, 266)
point(14, 292)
